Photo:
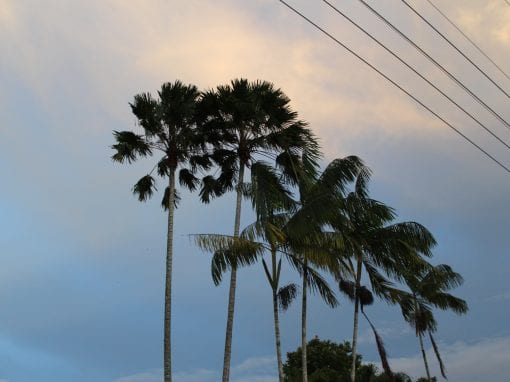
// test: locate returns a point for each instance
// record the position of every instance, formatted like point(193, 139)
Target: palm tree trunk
point(227, 355)
point(424, 356)
point(167, 342)
point(304, 360)
point(355, 327)
point(277, 336)
point(274, 280)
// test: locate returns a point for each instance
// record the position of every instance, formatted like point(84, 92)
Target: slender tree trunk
point(227, 355)
point(355, 327)
point(424, 356)
point(274, 281)
point(167, 357)
point(277, 336)
point(304, 359)
point(418, 332)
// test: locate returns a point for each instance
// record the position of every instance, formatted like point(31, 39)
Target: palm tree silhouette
point(169, 127)
point(250, 120)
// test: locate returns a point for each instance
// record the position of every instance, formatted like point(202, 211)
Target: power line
point(415, 72)
point(508, 2)
point(455, 47)
point(436, 63)
point(394, 83)
point(467, 38)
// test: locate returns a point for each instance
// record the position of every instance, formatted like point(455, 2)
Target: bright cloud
point(484, 360)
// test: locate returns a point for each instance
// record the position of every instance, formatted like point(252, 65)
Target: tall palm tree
point(320, 195)
point(272, 203)
point(273, 206)
point(251, 120)
point(429, 288)
point(376, 245)
point(169, 127)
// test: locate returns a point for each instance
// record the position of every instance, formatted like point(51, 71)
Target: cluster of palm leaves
point(244, 137)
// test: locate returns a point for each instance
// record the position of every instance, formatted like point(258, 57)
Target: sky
point(82, 261)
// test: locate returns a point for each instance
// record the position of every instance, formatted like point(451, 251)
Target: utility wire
point(455, 47)
point(467, 37)
point(394, 83)
point(436, 63)
point(508, 2)
point(415, 72)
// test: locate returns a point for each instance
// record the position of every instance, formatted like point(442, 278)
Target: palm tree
point(375, 245)
point(320, 196)
point(273, 206)
point(429, 288)
point(169, 127)
point(251, 120)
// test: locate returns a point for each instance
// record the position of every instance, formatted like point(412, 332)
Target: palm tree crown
point(429, 288)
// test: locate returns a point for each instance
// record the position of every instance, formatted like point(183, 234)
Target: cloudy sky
point(81, 275)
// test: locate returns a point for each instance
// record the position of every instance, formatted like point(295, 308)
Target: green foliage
point(331, 362)
point(286, 295)
point(169, 125)
point(326, 361)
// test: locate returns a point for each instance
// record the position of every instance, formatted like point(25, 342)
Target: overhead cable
point(366, 62)
point(455, 47)
point(415, 71)
point(467, 37)
point(436, 63)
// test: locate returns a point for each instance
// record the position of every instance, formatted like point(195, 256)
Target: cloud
point(255, 369)
point(484, 360)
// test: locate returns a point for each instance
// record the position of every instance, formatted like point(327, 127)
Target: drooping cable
point(455, 47)
point(436, 63)
point(415, 71)
point(467, 37)
point(366, 62)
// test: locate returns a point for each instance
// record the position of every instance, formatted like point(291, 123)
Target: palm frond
point(440, 277)
point(348, 288)
point(267, 229)
point(166, 195)
point(364, 295)
point(362, 180)
point(338, 174)
point(268, 274)
point(446, 301)
point(129, 147)
point(380, 348)
point(177, 106)
point(286, 296)
point(209, 189)
point(202, 161)
point(144, 188)
point(239, 247)
point(438, 355)
point(228, 252)
point(146, 109)
point(187, 179)
point(319, 285)
point(268, 194)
